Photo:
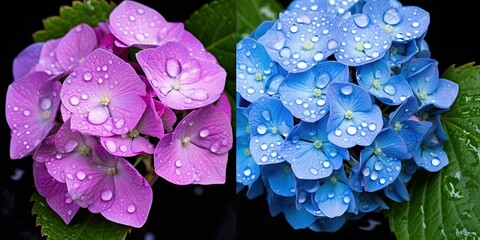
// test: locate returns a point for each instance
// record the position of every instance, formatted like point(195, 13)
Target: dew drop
point(204, 132)
point(285, 52)
point(313, 171)
point(346, 199)
point(74, 101)
point(302, 65)
point(318, 56)
point(214, 148)
point(361, 20)
point(87, 76)
point(321, 102)
point(326, 164)
point(347, 90)
point(45, 103)
point(383, 180)
point(131, 208)
point(247, 172)
point(332, 44)
point(435, 162)
point(111, 145)
point(106, 195)
point(26, 113)
point(389, 89)
point(173, 67)
point(70, 145)
point(352, 130)
point(264, 158)
point(374, 176)
point(261, 129)
point(392, 16)
point(120, 123)
point(378, 165)
point(178, 163)
point(415, 24)
point(372, 127)
point(338, 132)
point(266, 115)
point(293, 29)
point(84, 96)
point(80, 175)
point(98, 115)
point(366, 171)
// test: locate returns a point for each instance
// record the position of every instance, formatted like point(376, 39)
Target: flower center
point(185, 141)
point(318, 144)
point(423, 95)
point(258, 76)
point(274, 130)
point(112, 171)
point(287, 169)
point(376, 83)
point(389, 28)
point(247, 152)
point(359, 47)
point(349, 114)
point(333, 179)
point(307, 45)
point(133, 133)
point(393, 50)
point(104, 101)
point(377, 151)
point(176, 85)
point(46, 114)
point(85, 150)
point(397, 126)
point(317, 92)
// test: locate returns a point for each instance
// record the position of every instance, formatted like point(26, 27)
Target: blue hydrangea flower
point(304, 94)
point(261, 29)
point(354, 119)
point(430, 155)
point(246, 168)
point(297, 218)
point(402, 23)
point(254, 68)
point(305, 190)
point(361, 41)
point(381, 160)
point(334, 196)
point(397, 191)
point(389, 89)
point(280, 178)
point(270, 122)
point(411, 132)
point(332, 7)
point(298, 41)
point(401, 52)
point(422, 74)
point(310, 153)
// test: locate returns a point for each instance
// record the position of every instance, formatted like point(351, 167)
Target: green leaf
point(90, 12)
point(84, 225)
point(250, 13)
point(446, 204)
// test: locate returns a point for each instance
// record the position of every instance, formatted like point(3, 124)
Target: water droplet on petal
point(178, 163)
point(266, 115)
point(98, 115)
point(106, 195)
point(389, 89)
point(361, 20)
point(435, 162)
point(318, 56)
point(131, 208)
point(247, 172)
point(372, 127)
point(87, 76)
point(80, 175)
point(302, 65)
point(214, 148)
point(70, 145)
point(313, 171)
point(347, 90)
point(346, 199)
point(293, 29)
point(332, 44)
point(204, 132)
point(338, 132)
point(74, 101)
point(26, 113)
point(111, 145)
point(285, 52)
point(415, 24)
point(120, 123)
point(331, 195)
point(378, 165)
point(326, 164)
point(366, 171)
point(45, 103)
point(352, 130)
point(374, 176)
point(173, 67)
point(392, 16)
point(261, 129)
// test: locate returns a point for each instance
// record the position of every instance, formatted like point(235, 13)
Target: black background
point(177, 211)
point(180, 211)
point(452, 41)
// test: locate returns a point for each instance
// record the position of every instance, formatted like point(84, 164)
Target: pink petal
point(103, 78)
point(224, 104)
point(66, 115)
point(195, 47)
point(75, 46)
point(179, 80)
point(89, 184)
point(26, 60)
point(31, 106)
point(54, 192)
point(126, 146)
point(150, 91)
point(48, 59)
point(186, 165)
point(208, 128)
point(133, 197)
point(46, 150)
point(166, 114)
point(138, 25)
point(150, 124)
point(142, 145)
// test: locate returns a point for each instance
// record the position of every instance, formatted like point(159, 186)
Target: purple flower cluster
point(113, 108)
point(339, 105)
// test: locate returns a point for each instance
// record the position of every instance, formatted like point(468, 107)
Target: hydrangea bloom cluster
point(338, 106)
point(85, 112)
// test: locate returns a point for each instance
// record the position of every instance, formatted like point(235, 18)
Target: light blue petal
point(348, 96)
point(268, 116)
point(422, 74)
point(335, 154)
point(362, 41)
point(295, 43)
point(370, 72)
point(397, 191)
point(444, 95)
point(247, 171)
point(431, 159)
point(265, 149)
point(439, 130)
point(379, 171)
point(412, 134)
point(298, 219)
point(391, 144)
point(400, 53)
point(396, 91)
point(334, 198)
point(281, 178)
point(261, 29)
point(360, 130)
point(254, 68)
point(326, 224)
point(273, 84)
point(424, 49)
point(404, 111)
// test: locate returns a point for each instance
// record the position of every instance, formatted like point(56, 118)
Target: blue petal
point(362, 41)
point(422, 74)
point(247, 170)
point(254, 68)
point(439, 130)
point(360, 130)
point(348, 96)
point(326, 224)
point(404, 111)
point(409, 167)
point(391, 144)
point(335, 154)
point(431, 159)
point(239, 187)
point(26, 60)
point(400, 53)
point(369, 202)
point(265, 149)
point(295, 43)
point(255, 189)
point(394, 92)
point(444, 95)
point(334, 198)
point(261, 29)
point(370, 72)
point(379, 171)
point(281, 178)
point(298, 219)
point(412, 134)
point(397, 191)
point(276, 203)
point(424, 49)
point(315, 7)
point(242, 129)
point(355, 179)
point(273, 84)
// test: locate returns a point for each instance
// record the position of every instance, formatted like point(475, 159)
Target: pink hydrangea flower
point(197, 151)
point(77, 44)
point(104, 95)
point(31, 106)
point(135, 24)
point(180, 80)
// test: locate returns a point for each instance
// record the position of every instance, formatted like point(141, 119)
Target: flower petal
point(26, 60)
point(77, 44)
point(334, 199)
point(444, 95)
point(280, 178)
point(247, 171)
